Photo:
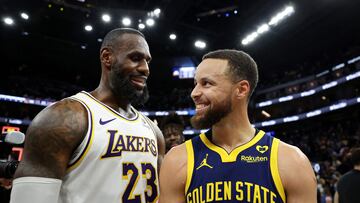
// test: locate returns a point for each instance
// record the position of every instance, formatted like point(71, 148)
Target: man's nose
point(144, 68)
point(195, 93)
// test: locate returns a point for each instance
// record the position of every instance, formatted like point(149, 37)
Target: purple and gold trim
point(112, 110)
point(89, 141)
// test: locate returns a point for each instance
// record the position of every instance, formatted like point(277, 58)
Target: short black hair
point(174, 119)
point(111, 37)
point(241, 65)
point(355, 156)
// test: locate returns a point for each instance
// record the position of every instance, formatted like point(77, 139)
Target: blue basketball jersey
point(248, 174)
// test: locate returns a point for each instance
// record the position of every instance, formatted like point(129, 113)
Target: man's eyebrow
point(142, 54)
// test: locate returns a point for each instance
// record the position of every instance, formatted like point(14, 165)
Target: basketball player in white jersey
point(94, 146)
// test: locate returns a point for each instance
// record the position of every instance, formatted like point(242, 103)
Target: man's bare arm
point(173, 174)
point(51, 138)
point(297, 175)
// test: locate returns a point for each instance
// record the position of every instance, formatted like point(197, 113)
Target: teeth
point(200, 106)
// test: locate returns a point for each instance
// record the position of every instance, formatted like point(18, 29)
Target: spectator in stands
point(348, 185)
point(172, 128)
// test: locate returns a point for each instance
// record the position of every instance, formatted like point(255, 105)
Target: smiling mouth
point(200, 108)
point(138, 81)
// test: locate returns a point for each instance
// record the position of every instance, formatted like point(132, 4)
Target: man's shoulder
point(292, 160)
point(177, 151)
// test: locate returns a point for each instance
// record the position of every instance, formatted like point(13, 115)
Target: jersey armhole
point(275, 169)
point(85, 144)
point(190, 163)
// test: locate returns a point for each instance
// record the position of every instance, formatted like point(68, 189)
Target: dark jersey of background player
point(348, 185)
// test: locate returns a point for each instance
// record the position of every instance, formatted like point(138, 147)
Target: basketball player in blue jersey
point(232, 162)
point(95, 146)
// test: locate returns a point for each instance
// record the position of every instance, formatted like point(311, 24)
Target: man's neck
point(230, 133)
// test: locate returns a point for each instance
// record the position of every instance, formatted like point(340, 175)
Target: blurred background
point(308, 54)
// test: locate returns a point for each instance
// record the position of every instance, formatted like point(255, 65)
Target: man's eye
point(206, 83)
point(135, 58)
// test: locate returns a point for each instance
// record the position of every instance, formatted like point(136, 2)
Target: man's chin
point(199, 122)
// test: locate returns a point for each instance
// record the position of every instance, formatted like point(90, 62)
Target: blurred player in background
point(172, 127)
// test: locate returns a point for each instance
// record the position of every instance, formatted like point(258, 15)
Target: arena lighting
point(310, 92)
point(336, 106)
point(200, 44)
point(337, 67)
point(106, 18)
point(150, 22)
point(24, 16)
point(266, 114)
point(141, 26)
point(263, 28)
point(353, 60)
point(281, 15)
point(157, 11)
point(88, 28)
point(172, 36)
point(251, 37)
point(126, 21)
point(42, 102)
point(266, 26)
point(8, 21)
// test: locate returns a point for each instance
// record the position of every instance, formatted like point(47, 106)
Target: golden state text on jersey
point(117, 160)
point(248, 174)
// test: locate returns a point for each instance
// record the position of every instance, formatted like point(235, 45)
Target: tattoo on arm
point(51, 138)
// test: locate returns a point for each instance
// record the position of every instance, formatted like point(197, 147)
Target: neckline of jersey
point(111, 109)
point(230, 157)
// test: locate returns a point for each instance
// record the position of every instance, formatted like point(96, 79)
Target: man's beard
point(212, 115)
point(122, 88)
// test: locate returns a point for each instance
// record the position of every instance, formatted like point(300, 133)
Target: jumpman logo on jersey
point(204, 163)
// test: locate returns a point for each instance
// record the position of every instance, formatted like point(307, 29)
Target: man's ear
point(242, 89)
point(106, 57)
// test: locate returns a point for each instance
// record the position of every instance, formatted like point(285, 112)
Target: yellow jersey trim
point(275, 170)
point(135, 119)
point(77, 162)
point(225, 157)
point(190, 163)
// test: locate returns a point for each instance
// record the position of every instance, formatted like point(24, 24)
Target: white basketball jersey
point(117, 160)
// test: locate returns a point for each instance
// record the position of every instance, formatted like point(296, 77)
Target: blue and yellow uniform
point(248, 174)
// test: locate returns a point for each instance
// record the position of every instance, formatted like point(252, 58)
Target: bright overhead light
point(88, 28)
point(282, 15)
point(287, 11)
point(200, 44)
point(126, 21)
point(8, 21)
point(106, 18)
point(24, 16)
point(263, 28)
point(172, 36)
point(157, 11)
point(141, 26)
point(150, 22)
point(251, 37)
point(245, 42)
